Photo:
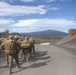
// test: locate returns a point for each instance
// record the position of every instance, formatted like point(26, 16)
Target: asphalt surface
point(48, 60)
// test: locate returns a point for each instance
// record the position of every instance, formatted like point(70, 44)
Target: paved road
point(48, 60)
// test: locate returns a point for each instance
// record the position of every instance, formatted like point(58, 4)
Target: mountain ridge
point(45, 33)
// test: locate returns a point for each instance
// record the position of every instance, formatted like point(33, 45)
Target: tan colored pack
point(10, 47)
point(25, 44)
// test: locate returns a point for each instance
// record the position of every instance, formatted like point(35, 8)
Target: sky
point(37, 15)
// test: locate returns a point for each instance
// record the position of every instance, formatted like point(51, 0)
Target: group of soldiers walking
point(15, 46)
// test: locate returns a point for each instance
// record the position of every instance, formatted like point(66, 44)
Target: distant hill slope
point(45, 33)
point(66, 39)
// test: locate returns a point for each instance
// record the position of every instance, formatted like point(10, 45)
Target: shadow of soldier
point(35, 65)
point(40, 55)
point(38, 60)
point(4, 66)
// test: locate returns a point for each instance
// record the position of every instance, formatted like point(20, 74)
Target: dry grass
point(51, 40)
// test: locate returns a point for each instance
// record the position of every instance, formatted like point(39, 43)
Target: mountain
point(45, 33)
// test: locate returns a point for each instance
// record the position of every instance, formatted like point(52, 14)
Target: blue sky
point(37, 15)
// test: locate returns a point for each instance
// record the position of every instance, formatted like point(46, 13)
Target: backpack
point(10, 47)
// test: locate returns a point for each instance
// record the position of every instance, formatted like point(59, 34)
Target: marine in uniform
point(11, 48)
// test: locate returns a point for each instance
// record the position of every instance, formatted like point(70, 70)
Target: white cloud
point(55, 0)
point(19, 0)
point(16, 10)
point(27, 0)
point(8, 0)
point(50, 0)
point(6, 21)
point(24, 29)
point(44, 22)
point(2, 29)
point(32, 25)
point(7, 9)
point(54, 8)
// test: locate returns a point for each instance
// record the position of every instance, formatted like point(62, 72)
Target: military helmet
point(10, 37)
point(26, 38)
point(21, 37)
point(16, 36)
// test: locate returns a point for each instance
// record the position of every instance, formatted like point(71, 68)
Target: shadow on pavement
point(41, 56)
point(5, 66)
point(39, 59)
point(35, 65)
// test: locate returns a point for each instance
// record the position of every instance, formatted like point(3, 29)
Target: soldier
point(16, 38)
point(26, 48)
point(32, 41)
point(10, 47)
point(20, 39)
point(0, 41)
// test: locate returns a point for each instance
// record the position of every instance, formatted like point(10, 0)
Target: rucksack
point(10, 47)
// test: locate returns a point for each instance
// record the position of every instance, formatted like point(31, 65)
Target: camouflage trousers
point(26, 52)
point(10, 61)
point(32, 48)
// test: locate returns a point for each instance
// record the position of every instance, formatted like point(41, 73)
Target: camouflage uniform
point(20, 41)
point(14, 49)
point(31, 40)
point(16, 38)
point(26, 49)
